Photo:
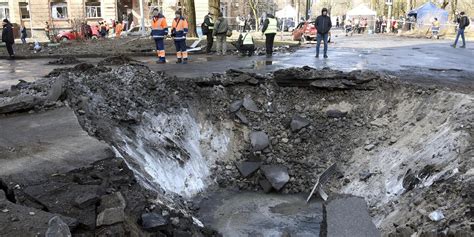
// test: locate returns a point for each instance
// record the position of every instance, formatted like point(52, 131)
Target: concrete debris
point(259, 140)
point(249, 104)
point(242, 117)
point(369, 147)
point(333, 113)
point(235, 106)
point(65, 60)
point(86, 199)
point(57, 228)
point(153, 221)
point(247, 168)
point(110, 216)
point(277, 175)
point(348, 216)
point(265, 185)
point(436, 215)
point(298, 122)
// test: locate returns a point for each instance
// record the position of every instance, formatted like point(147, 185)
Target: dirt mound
point(65, 61)
point(117, 60)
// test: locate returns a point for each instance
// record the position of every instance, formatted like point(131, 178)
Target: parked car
point(67, 35)
point(304, 31)
point(73, 35)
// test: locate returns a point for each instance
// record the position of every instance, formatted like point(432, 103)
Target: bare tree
point(214, 7)
point(190, 12)
point(253, 4)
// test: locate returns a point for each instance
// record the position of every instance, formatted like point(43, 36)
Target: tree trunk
point(254, 5)
point(214, 8)
point(190, 13)
point(444, 4)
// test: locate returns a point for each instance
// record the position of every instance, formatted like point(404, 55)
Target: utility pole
point(142, 14)
point(306, 15)
point(390, 5)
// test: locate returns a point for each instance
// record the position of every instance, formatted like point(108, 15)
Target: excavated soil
point(407, 150)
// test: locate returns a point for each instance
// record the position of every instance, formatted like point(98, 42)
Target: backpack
point(204, 28)
point(467, 21)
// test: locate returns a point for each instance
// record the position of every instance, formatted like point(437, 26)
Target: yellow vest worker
point(270, 28)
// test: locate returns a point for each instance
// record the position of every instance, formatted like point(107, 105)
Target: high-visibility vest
point(212, 22)
point(247, 39)
point(180, 27)
point(272, 26)
point(159, 28)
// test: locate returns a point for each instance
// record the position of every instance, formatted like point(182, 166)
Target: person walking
point(220, 33)
point(46, 31)
point(323, 26)
point(435, 28)
point(159, 30)
point(270, 26)
point(178, 32)
point(209, 23)
point(337, 22)
point(7, 37)
point(125, 21)
point(23, 34)
point(463, 22)
point(118, 29)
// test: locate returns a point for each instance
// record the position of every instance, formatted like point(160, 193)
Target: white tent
point(361, 10)
point(287, 12)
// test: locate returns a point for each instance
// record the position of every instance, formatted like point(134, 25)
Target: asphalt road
point(426, 61)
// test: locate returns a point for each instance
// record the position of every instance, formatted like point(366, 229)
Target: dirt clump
point(65, 61)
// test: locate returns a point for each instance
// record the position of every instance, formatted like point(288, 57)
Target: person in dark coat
point(463, 22)
point(323, 26)
point(23, 33)
point(209, 22)
point(7, 37)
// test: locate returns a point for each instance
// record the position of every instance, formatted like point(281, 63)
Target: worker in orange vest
point(178, 32)
point(159, 30)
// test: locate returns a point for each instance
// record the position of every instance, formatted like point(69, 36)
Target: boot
point(179, 61)
point(185, 61)
point(463, 46)
point(325, 56)
point(453, 45)
point(161, 61)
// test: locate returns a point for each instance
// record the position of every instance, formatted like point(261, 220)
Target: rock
point(114, 200)
point(174, 221)
point(436, 215)
point(393, 140)
point(242, 117)
point(277, 175)
point(110, 216)
point(334, 113)
point(19, 103)
point(266, 186)
point(3, 197)
point(298, 122)
point(259, 140)
point(111, 209)
point(369, 147)
point(380, 122)
point(180, 233)
point(249, 104)
point(235, 106)
point(348, 216)
point(57, 228)
point(85, 200)
point(365, 175)
point(247, 168)
point(56, 90)
point(153, 221)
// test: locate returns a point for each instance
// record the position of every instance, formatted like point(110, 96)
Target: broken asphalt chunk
point(247, 168)
point(277, 175)
point(153, 221)
point(298, 122)
point(250, 105)
point(259, 140)
point(235, 106)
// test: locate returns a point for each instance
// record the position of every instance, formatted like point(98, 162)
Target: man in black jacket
point(463, 22)
point(7, 37)
point(323, 26)
point(208, 21)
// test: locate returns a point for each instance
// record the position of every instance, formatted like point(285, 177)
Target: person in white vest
point(245, 44)
point(270, 26)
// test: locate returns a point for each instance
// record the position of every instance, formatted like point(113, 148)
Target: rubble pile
point(283, 130)
point(65, 61)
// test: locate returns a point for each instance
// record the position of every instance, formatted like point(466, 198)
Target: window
point(93, 10)
point(24, 10)
point(4, 11)
point(59, 11)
